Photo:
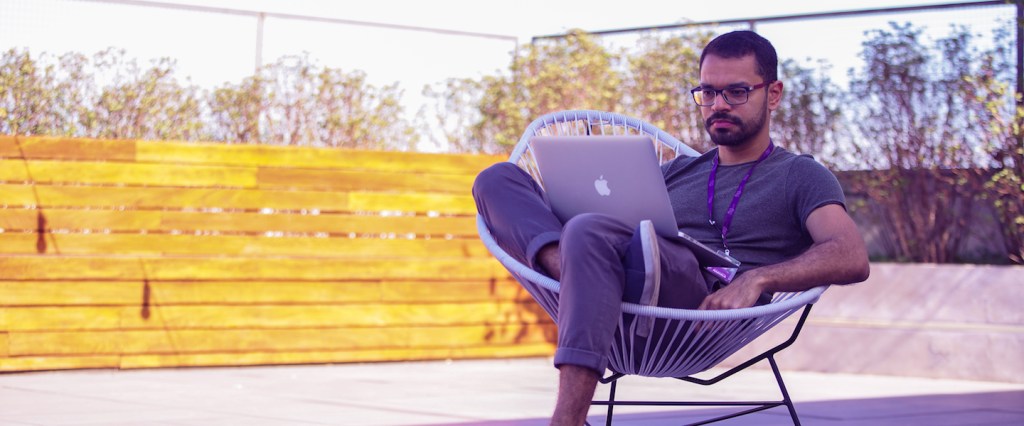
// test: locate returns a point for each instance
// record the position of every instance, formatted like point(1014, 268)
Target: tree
point(1000, 111)
point(661, 73)
point(574, 72)
point(297, 102)
point(916, 140)
point(143, 104)
point(810, 119)
point(28, 95)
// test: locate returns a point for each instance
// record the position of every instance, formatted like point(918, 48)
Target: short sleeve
point(812, 186)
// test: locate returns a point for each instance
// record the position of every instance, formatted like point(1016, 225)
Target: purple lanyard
point(727, 220)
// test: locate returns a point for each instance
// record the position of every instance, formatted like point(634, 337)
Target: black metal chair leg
point(785, 394)
point(611, 404)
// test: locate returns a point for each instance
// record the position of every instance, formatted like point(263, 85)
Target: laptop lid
point(614, 175)
point(619, 176)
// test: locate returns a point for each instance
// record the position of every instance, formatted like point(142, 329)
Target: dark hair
point(738, 44)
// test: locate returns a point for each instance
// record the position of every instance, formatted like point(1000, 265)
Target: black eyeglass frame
point(747, 89)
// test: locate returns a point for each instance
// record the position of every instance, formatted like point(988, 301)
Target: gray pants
point(598, 261)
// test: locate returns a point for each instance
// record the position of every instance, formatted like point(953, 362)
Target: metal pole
point(1020, 52)
point(262, 17)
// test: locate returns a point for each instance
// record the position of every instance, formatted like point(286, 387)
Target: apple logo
point(602, 186)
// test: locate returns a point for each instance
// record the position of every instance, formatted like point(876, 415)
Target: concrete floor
point(485, 392)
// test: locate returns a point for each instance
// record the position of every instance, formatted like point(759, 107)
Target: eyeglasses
point(705, 96)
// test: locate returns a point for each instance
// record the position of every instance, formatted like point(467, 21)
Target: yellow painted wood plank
point(320, 269)
point(42, 363)
point(14, 170)
point(241, 340)
point(284, 292)
point(63, 318)
point(49, 147)
point(53, 196)
point(228, 245)
point(282, 316)
point(305, 157)
point(504, 288)
point(9, 147)
point(71, 293)
point(256, 268)
point(117, 173)
point(170, 293)
point(326, 223)
point(70, 268)
point(22, 219)
point(446, 203)
point(138, 293)
point(25, 243)
point(322, 357)
point(16, 219)
point(17, 195)
point(195, 198)
point(346, 180)
point(3, 343)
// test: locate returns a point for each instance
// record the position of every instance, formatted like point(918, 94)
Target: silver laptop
point(615, 175)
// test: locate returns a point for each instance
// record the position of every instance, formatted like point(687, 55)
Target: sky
point(212, 49)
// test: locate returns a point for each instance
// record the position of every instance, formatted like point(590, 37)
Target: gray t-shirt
point(769, 225)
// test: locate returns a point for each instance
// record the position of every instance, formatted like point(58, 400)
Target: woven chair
point(710, 336)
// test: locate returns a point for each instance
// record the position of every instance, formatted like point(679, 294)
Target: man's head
point(738, 44)
point(738, 88)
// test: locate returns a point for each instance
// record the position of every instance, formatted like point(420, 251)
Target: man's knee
point(590, 229)
point(495, 177)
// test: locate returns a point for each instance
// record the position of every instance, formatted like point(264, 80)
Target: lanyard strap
point(727, 220)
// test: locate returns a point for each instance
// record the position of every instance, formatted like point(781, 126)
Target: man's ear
point(775, 90)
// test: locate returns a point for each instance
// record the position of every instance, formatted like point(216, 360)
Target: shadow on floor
point(991, 408)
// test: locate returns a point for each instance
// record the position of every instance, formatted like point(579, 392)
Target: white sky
point(212, 48)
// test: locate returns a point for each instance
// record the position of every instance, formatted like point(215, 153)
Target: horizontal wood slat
point(321, 158)
point(36, 147)
point(176, 175)
point(27, 363)
point(56, 196)
point(145, 316)
point(227, 245)
point(177, 341)
point(236, 293)
point(141, 254)
point(126, 221)
point(211, 268)
point(116, 173)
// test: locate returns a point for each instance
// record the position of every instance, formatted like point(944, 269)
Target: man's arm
point(837, 256)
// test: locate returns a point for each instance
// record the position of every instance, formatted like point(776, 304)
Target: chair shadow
point(996, 408)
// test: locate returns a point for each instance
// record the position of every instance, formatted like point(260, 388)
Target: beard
point(744, 132)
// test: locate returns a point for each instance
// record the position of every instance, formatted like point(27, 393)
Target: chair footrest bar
point(767, 404)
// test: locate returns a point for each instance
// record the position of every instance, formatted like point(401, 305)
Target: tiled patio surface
point(487, 392)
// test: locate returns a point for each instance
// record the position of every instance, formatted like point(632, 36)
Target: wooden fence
point(135, 254)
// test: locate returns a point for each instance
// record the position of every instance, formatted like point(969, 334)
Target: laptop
point(615, 175)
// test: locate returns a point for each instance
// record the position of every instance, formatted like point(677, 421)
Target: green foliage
point(810, 119)
point(291, 102)
point(661, 73)
point(919, 137)
point(999, 114)
point(571, 73)
point(29, 97)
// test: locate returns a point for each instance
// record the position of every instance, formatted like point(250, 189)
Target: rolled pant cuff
point(578, 357)
point(538, 243)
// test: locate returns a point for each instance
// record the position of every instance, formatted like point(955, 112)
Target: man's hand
point(741, 293)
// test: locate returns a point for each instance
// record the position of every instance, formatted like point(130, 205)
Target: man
point(781, 214)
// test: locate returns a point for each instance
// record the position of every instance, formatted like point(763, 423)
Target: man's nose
point(719, 103)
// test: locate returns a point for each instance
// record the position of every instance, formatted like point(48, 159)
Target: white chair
point(710, 336)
